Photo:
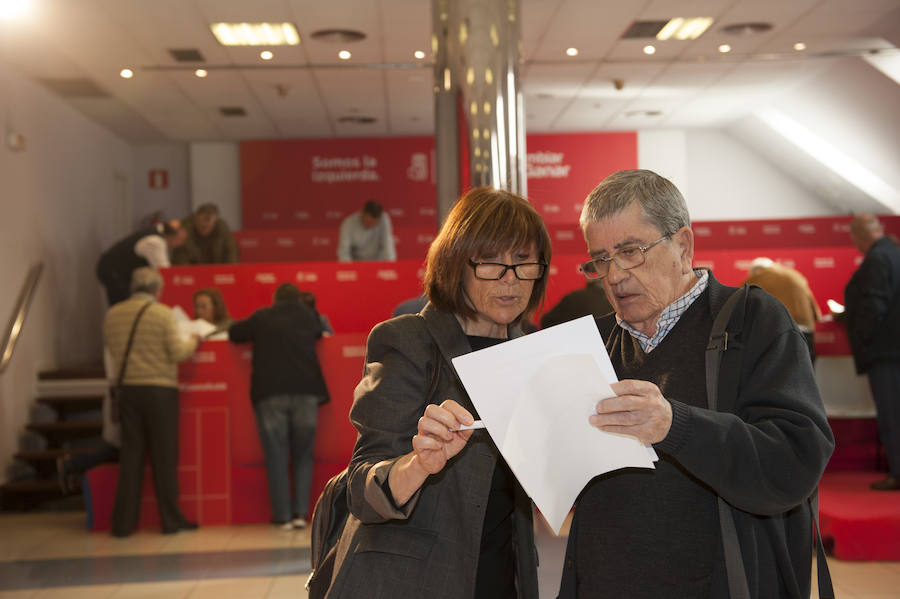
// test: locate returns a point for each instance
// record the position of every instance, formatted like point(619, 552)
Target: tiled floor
point(50, 555)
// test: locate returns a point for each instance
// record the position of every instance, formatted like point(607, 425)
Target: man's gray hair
point(145, 280)
point(661, 203)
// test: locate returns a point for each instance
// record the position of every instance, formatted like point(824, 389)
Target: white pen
point(466, 427)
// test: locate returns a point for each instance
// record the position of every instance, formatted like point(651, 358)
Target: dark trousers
point(149, 420)
point(884, 379)
point(81, 462)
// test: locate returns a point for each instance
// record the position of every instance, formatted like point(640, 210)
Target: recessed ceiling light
point(344, 55)
point(201, 73)
point(572, 51)
point(648, 49)
point(126, 73)
point(255, 34)
point(266, 55)
point(684, 28)
point(724, 48)
point(799, 46)
point(419, 54)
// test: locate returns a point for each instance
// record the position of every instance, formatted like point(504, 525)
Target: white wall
point(216, 178)
point(62, 200)
point(174, 200)
point(729, 181)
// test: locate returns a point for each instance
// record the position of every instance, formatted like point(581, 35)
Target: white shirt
point(154, 250)
point(359, 243)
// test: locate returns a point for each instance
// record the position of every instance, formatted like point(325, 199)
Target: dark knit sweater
point(638, 505)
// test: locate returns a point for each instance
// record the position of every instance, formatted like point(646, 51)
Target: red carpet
point(864, 524)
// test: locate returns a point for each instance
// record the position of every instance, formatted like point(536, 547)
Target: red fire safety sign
point(159, 178)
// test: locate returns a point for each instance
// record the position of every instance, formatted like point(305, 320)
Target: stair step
point(30, 493)
point(49, 455)
point(65, 405)
point(91, 371)
point(72, 387)
point(58, 432)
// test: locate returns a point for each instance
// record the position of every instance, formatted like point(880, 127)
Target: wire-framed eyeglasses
point(626, 258)
point(492, 271)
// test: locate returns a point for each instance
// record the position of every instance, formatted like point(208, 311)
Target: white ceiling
point(690, 83)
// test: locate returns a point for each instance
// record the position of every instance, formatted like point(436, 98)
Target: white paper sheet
point(187, 327)
point(535, 395)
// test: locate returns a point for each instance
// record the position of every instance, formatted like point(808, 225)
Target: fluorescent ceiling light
point(255, 34)
point(684, 28)
point(834, 159)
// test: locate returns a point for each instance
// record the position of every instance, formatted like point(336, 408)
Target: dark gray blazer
point(429, 547)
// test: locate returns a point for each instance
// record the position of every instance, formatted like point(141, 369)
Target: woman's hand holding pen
point(439, 437)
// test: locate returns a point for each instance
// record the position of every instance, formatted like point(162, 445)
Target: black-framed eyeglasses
point(626, 258)
point(492, 271)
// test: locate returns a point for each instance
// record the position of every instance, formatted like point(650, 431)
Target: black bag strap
point(718, 343)
point(128, 346)
point(734, 562)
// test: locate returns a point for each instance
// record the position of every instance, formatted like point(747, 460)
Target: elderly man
point(149, 400)
point(209, 240)
point(792, 289)
point(872, 299)
point(656, 533)
point(367, 235)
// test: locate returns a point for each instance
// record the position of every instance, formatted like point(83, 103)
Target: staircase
point(66, 419)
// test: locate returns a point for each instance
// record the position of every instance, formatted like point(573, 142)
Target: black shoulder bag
point(734, 562)
point(115, 392)
point(330, 516)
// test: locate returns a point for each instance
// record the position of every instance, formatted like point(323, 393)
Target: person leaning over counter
point(435, 511)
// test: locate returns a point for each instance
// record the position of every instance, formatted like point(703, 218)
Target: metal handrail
point(18, 316)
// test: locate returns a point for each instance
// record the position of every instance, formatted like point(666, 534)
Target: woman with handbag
point(435, 511)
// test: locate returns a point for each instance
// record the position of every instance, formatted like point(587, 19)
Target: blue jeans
point(287, 430)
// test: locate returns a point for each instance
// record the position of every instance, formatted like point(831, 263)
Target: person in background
point(71, 466)
point(309, 298)
point(872, 314)
point(435, 511)
point(367, 235)
point(412, 305)
point(146, 247)
point(791, 289)
point(640, 533)
point(286, 388)
point(589, 300)
point(209, 305)
point(149, 401)
point(209, 240)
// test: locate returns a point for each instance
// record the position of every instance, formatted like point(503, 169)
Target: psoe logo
point(265, 277)
point(418, 167)
point(183, 280)
point(344, 276)
point(387, 275)
point(306, 277)
point(223, 279)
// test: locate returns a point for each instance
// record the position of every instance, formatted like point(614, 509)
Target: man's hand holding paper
point(536, 395)
point(638, 409)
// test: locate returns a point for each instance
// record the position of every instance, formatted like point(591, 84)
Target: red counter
point(221, 470)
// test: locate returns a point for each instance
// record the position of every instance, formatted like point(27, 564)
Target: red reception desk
point(221, 470)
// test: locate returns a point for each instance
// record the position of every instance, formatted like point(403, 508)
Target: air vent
point(643, 29)
point(187, 55)
point(338, 36)
point(747, 28)
point(358, 120)
point(232, 111)
point(75, 88)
